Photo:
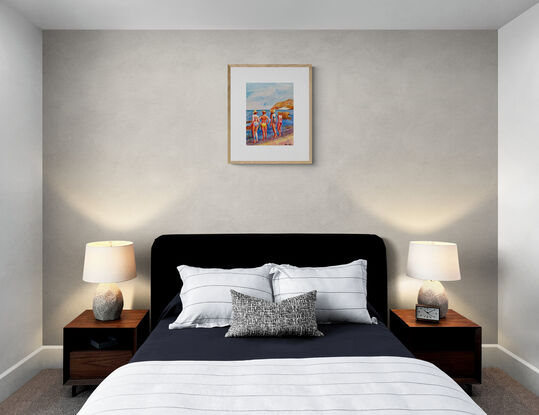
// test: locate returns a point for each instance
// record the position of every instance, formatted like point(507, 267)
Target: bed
point(354, 368)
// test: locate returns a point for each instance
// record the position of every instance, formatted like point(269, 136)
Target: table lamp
point(109, 262)
point(433, 262)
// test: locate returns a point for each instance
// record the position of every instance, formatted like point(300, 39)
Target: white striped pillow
point(341, 289)
point(205, 293)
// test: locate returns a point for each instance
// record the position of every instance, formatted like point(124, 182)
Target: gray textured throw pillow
point(253, 316)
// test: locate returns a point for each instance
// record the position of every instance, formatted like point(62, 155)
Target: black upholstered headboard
point(252, 250)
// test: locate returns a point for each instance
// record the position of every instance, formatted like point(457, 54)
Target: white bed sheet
point(334, 385)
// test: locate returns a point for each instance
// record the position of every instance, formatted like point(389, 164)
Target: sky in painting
point(265, 95)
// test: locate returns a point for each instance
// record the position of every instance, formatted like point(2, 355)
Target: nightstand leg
point(467, 388)
point(73, 391)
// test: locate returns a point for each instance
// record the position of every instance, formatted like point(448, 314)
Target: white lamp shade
point(438, 261)
point(109, 261)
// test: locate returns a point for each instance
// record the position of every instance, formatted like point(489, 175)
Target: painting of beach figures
point(270, 114)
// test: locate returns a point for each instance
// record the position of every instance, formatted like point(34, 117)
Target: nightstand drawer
point(93, 364)
point(457, 364)
point(450, 339)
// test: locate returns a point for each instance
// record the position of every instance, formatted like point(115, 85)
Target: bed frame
point(253, 250)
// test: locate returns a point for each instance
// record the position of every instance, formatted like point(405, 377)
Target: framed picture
point(269, 114)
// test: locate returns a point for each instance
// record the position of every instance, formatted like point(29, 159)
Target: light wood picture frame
point(270, 114)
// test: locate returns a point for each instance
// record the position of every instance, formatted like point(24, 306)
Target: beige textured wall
point(405, 133)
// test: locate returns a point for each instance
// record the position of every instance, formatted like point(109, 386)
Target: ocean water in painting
point(270, 113)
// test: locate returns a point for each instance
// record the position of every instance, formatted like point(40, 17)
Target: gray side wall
point(20, 187)
point(518, 238)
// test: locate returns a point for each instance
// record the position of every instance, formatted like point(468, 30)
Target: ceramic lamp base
point(108, 302)
point(433, 293)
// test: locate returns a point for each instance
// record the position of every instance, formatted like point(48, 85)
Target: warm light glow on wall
point(119, 209)
point(418, 213)
point(128, 291)
point(406, 290)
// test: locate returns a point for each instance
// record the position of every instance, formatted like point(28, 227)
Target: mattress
point(210, 344)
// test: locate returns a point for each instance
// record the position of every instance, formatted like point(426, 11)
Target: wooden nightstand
point(453, 344)
point(86, 365)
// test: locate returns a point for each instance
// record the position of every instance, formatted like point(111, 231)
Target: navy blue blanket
point(211, 344)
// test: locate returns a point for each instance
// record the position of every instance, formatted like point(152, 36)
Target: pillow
point(341, 289)
point(205, 293)
point(255, 317)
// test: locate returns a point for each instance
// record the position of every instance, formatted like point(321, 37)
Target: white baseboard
point(44, 357)
point(495, 355)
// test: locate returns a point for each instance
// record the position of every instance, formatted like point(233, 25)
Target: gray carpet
point(44, 395)
point(500, 394)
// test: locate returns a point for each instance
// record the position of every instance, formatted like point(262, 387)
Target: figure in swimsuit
point(274, 123)
point(264, 121)
point(279, 123)
point(255, 121)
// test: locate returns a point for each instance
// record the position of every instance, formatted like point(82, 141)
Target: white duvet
point(334, 385)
